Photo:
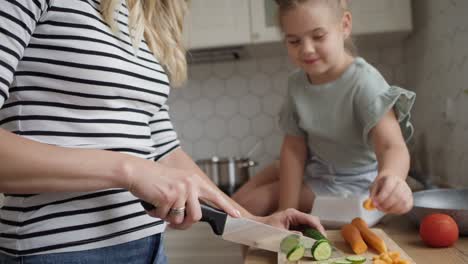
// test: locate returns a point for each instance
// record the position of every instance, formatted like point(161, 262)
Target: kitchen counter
point(406, 235)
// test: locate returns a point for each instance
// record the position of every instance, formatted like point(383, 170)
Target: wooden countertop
point(406, 235)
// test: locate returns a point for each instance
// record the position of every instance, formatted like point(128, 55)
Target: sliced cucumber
point(307, 242)
point(321, 250)
point(289, 243)
point(356, 259)
point(296, 253)
point(314, 234)
point(342, 261)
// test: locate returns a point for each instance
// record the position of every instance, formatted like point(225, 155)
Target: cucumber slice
point(296, 253)
point(342, 261)
point(314, 234)
point(289, 243)
point(307, 243)
point(321, 250)
point(356, 259)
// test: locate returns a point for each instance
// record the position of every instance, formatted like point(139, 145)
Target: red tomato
point(438, 230)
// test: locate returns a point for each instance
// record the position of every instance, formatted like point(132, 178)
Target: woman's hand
point(391, 194)
point(169, 189)
point(292, 217)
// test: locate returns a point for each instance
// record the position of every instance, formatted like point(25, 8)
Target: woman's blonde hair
point(160, 22)
point(340, 6)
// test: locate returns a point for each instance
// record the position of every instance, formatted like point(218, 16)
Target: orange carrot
point(368, 205)
point(379, 261)
point(395, 255)
point(351, 235)
point(403, 261)
point(370, 237)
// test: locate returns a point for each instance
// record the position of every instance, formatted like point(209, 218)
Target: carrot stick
point(370, 237)
point(351, 235)
point(368, 205)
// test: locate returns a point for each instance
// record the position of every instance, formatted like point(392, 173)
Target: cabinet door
point(381, 16)
point(216, 23)
point(264, 21)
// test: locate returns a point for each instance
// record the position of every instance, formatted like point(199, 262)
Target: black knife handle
point(213, 216)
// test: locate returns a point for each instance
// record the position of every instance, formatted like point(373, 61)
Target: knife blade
point(248, 232)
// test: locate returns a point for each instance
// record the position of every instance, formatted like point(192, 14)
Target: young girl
point(345, 126)
point(85, 133)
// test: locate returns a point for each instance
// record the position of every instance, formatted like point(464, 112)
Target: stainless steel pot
point(453, 202)
point(227, 173)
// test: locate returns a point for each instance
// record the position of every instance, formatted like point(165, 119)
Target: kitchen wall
point(227, 107)
point(436, 57)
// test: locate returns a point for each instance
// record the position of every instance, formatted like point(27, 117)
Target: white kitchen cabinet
point(264, 21)
point(369, 17)
point(217, 23)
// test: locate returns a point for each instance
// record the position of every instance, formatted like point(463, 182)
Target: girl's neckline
point(344, 76)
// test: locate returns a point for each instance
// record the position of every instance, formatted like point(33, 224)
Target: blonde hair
point(160, 22)
point(340, 6)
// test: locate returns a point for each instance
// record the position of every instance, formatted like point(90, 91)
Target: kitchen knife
point(248, 232)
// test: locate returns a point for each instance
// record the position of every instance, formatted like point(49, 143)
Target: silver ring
point(177, 211)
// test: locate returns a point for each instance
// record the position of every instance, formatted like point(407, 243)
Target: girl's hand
point(169, 189)
point(391, 194)
point(292, 217)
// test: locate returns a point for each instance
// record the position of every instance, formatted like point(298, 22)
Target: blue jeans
point(149, 250)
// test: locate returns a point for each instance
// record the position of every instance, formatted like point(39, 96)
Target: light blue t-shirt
point(336, 117)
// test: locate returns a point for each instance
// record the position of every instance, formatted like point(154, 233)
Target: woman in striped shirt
point(85, 133)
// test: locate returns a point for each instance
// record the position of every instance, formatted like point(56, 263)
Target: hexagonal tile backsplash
point(226, 108)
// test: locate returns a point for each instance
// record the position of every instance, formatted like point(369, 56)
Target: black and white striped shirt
point(67, 80)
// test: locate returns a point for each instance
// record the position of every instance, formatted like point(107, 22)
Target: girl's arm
point(292, 162)
point(390, 192)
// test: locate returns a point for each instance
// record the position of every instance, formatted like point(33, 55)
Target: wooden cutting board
point(262, 257)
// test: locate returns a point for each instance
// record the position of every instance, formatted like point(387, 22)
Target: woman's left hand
point(391, 194)
point(292, 217)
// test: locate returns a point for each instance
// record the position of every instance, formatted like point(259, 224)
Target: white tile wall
point(227, 107)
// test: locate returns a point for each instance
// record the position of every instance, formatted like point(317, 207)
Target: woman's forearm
point(32, 167)
point(292, 162)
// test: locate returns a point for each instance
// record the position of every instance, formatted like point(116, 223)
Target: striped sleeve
point(163, 133)
point(18, 19)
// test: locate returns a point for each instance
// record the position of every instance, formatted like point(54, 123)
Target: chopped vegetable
point(292, 247)
point(369, 236)
point(368, 204)
point(403, 261)
point(321, 250)
point(296, 253)
point(289, 243)
point(379, 261)
point(392, 257)
point(307, 243)
point(342, 261)
point(314, 234)
point(352, 235)
point(356, 259)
